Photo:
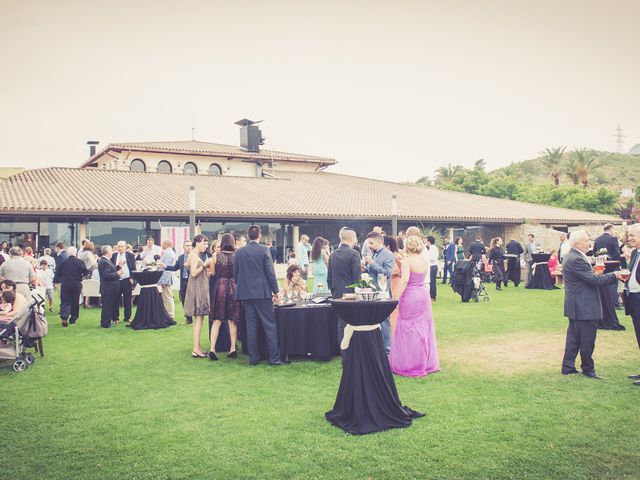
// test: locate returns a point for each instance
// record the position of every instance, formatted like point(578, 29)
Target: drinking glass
point(382, 282)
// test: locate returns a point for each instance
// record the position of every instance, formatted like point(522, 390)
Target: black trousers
point(110, 307)
point(432, 286)
point(498, 273)
point(183, 295)
point(633, 306)
point(70, 300)
point(126, 287)
point(261, 310)
point(581, 337)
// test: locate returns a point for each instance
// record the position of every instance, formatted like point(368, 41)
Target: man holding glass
point(379, 264)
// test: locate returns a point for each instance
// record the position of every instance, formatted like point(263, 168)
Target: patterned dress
point(225, 307)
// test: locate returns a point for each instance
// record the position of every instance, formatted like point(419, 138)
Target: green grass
point(119, 404)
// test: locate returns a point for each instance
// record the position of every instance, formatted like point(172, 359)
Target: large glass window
point(138, 165)
point(164, 167)
point(190, 168)
point(215, 170)
point(109, 233)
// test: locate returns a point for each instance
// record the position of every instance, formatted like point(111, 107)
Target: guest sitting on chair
point(294, 283)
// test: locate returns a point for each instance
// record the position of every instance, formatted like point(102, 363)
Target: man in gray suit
point(581, 304)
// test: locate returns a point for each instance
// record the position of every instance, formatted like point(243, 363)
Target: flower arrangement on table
point(364, 288)
point(601, 257)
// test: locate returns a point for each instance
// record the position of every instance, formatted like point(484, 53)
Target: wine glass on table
point(382, 283)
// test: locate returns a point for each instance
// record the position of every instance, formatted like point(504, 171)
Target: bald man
point(344, 269)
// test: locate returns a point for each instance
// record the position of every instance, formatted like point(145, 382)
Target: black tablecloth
point(608, 299)
point(541, 279)
point(363, 313)
point(150, 313)
point(367, 399)
point(302, 330)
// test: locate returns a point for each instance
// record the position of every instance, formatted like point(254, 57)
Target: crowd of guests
point(231, 278)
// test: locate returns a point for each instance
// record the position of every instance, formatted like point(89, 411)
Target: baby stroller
point(482, 272)
point(24, 331)
point(467, 281)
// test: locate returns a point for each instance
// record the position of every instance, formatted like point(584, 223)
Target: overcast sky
point(391, 90)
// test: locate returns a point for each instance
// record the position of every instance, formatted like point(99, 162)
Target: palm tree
point(571, 169)
point(552, 160)
point(479, 164)
point(511, 170)
point(447, 174)
point(585, 162)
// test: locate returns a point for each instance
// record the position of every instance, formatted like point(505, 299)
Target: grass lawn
point(119, 404)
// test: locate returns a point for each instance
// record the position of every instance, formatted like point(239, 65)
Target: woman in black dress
point(225, 306)
point(496, 260)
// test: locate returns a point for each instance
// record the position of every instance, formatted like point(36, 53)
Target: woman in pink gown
point(414, 352)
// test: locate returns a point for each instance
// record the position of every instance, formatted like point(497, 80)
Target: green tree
point(479, 164)
point(585, 162)
point(447, 174)
point(552, 161)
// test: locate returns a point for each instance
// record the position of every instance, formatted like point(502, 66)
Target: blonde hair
point(413, 244)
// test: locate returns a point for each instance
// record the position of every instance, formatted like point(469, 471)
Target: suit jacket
point(608, 241)
point(109, 278)
point(60, 258)
point(344, 269)
point(634, 254)
point(581, 296)
point(254, 274)
point(476, 249)
point(180, 266)
point(450, 252)
point(383, 262)
point(131, 261)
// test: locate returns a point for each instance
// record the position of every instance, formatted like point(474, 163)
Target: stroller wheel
point(20, 365)
point(30, 358)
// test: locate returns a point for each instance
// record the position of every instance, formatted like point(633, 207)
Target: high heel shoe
point(212, 356)
point(197, 355)
point(233, 354)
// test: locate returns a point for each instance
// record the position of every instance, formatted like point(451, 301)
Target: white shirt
point(122, 257)
point(634, 286)
point(147, 255)
point(45, 277)
point(433, 255)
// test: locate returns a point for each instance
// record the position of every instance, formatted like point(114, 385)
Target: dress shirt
point(433, 255)
point(383, 262)
point(634, 286)
point(169, 259)
point(302, 255)
point(122, 257)
point(148, 255)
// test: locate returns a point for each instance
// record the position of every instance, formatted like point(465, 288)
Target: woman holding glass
point(196, 301)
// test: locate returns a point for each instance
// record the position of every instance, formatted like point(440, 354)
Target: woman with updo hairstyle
point(414, 352)
point(196, 300)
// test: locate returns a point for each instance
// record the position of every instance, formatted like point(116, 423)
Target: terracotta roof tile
point(295, 195)
point(213, 149)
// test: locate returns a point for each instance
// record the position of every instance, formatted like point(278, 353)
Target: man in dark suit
point(449, 256)
point(344, 269)
point(608, 241)
point(109, 287)
point(513, 263)
point(61, 256)
point(581, 305)
point(256, 288)
point(181, 266)
point(127, 263)
point(632, 287)
point(477, 249)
